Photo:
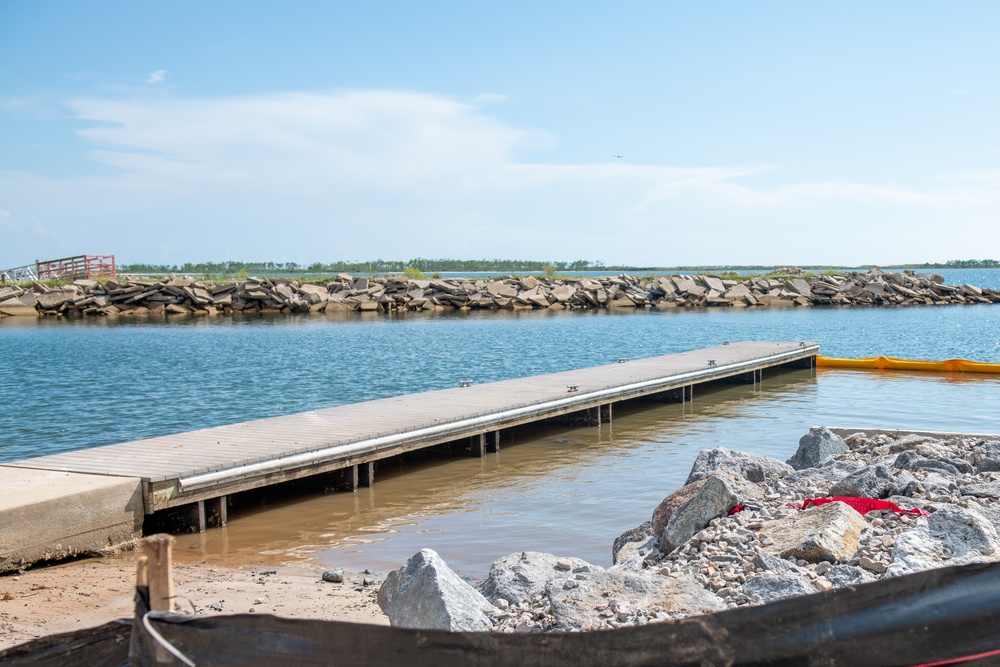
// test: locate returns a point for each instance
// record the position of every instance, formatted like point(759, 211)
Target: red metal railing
point(81, 266)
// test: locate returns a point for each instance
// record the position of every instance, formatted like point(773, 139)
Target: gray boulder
point(426, 594)
point(753, 467)
point(817, 446)
point(963, 466)
point(848, 575)
point(822, 477)
point(939, 482)
point(522, 575)
point(902, 482)
point(952, 535)
point(934, 464)
point(771, 563)
point(986, 490)
point(577, 602)
point(989, 465)
point(772, 586)
point(906, 460)
point(633, 546)
point(869, 482)
point(689, 509)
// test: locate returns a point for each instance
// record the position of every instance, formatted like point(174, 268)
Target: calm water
point(71, 385)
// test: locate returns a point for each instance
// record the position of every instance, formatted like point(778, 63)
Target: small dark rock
point(334, 576)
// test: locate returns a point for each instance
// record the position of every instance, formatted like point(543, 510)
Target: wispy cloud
point(489, 98)
point(354, 173)
point(156, 77)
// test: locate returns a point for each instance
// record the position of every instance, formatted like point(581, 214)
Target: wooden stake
point(159, 575)
point(141, 578)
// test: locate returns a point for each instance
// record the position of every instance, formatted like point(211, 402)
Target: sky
point(629, 133)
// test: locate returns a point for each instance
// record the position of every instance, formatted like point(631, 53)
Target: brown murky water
point(571, 491)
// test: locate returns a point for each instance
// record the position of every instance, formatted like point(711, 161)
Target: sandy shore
point(91, 592)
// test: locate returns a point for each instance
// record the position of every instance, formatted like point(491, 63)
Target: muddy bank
point(88, 593)
point(187, 296)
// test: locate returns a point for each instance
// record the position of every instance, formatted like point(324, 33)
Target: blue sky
point(749, 132)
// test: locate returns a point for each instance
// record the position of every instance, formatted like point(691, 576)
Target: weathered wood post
point(159, 576)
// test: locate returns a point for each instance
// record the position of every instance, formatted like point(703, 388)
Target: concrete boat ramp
point(82, 501)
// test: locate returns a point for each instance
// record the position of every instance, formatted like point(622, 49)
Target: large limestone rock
point(426, 594)
point(952, 535)
point(689, 509)
point(817, 446)
point(522, 575)
point(713, 283)
point(55, 298)
point(799, 286)
point(754, 467)
point(577, 602)
point(314, 293)
point(18, 308)
point(564, 293)
point(829, 532)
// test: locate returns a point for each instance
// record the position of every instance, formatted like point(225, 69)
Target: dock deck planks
point(338, 435)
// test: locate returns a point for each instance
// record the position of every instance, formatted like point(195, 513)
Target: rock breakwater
point(735, 536)
point(180, 296)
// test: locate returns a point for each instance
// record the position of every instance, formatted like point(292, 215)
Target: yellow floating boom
point(889, 363)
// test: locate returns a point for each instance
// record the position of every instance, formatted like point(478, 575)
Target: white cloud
point(364, 173)
point(156, 77)
point(489, 98)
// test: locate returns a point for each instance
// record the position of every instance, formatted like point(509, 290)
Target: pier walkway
point(202, 467)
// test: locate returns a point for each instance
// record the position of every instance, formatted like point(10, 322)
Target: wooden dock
point(206, 465)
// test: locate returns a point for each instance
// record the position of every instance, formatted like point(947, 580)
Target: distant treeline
point(371, 266)
point(963, 264)
point(465, 265)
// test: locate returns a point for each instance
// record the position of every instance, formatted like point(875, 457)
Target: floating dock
point(199, 469)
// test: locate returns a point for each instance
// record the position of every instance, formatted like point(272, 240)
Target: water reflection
point(572, 491)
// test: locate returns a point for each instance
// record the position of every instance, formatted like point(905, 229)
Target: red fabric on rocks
point(862, 505)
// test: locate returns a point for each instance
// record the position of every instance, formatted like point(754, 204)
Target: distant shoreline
point(507, 267)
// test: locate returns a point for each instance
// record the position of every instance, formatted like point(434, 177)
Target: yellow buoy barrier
point(889, 363)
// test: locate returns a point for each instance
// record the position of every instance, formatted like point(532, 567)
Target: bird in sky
point(616, 156)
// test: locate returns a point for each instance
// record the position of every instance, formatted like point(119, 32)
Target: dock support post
point(350, 480)
point(493, 442)
point(196, 522)
point(604, 414)
point(217, 512)
point(477, 445)
point(366, 476)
